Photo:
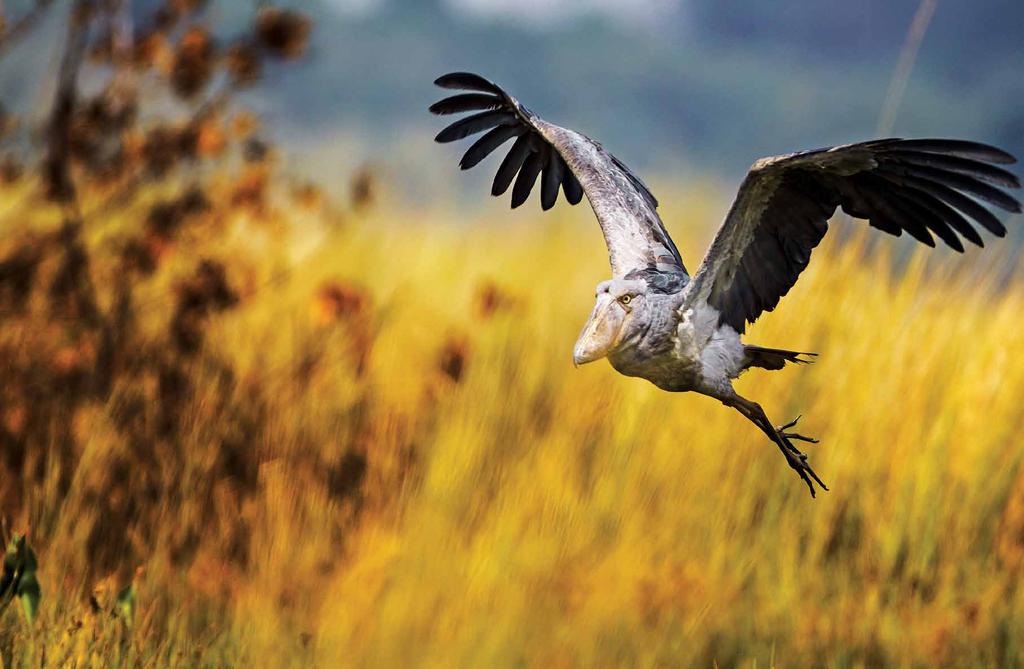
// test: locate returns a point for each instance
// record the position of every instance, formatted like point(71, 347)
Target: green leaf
point(18, 579)
point(126, 602)
point(29, 593)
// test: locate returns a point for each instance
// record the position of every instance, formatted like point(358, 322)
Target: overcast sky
point(540, 11)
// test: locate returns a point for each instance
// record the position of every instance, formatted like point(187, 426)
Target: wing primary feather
point(572, 188)
point(951, 216)
point(488, 143)
point(956, 199)
point(510, 165)
point(474, 124)
point(466, 102)
point(953, 163)
point(467, 81)
point(527, 177)
point(924, 187)
point(957, 181)
point(929, 220)
point(885, 225)
point(626, 209)
point(877, 194)
point(552, 179)
point(958, 147)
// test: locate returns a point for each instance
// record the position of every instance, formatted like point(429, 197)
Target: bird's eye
point(625, 299)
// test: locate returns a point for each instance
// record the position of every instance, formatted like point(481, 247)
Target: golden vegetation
point(373, 450)
point(240, 428)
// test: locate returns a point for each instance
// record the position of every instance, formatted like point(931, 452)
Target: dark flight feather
point(960, 201)
point(527, 177)
point(473, 124)
point(465, 102)
point(466, 81)
point(783, 207)
point(956, 147)
point(552, 180)
point(967, 166)
point(488, 143)
point(510, 165)
point(961, 182)
point(625, 207)
point(572, 188)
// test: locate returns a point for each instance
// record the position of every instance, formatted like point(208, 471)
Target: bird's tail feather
point(773, 358)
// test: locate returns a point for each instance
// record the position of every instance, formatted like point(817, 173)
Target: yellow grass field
point(382, 456)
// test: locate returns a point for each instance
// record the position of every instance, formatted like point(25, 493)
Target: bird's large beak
point(601, 332)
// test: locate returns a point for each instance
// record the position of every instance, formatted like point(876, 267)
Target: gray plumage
point(652, 320)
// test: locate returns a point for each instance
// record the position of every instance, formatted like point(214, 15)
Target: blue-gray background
point(669, 85)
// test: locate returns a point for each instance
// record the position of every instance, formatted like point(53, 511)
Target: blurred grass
point(383, 456)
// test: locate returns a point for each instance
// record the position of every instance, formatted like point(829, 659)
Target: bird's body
point(682, 332)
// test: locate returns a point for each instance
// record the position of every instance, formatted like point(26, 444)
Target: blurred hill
point(665, 84)
point(716, 83)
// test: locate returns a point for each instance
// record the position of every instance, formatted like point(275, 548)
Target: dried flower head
point(454, 358)
point(283, 33)
point(161, 150)
point(337, 300)
point(250, 188)
point(207, 289)
point(211, 139)
point(243, 63)
point(490, 299)
point(244, 124)
point(363, 189)
point(152, 50)
point(193, 62)
point(308, 196)
point(255, 150)
point(165, 218)
point(138, 256)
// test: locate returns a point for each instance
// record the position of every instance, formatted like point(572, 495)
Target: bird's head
point(619, 316)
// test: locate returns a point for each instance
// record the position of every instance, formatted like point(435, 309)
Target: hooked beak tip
point(581, 358)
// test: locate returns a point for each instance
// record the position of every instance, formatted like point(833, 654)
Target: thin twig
point(58, 170)
point(904, 66)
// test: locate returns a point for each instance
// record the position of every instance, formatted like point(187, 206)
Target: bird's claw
point(794, 435)
point(797, 459)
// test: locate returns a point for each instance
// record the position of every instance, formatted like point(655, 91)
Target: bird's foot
point(795, 457)
point(781, 429)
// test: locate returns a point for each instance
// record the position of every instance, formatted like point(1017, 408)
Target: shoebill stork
point(681, 331)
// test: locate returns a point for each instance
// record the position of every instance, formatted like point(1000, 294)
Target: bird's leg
point(781, 429)
point(796, 459)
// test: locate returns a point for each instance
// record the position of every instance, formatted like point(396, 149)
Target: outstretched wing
point(564, 159)
point(782, 209)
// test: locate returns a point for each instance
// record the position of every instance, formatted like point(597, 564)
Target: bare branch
point(57, 168)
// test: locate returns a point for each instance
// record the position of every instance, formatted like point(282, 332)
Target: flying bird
point(682, 332)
